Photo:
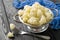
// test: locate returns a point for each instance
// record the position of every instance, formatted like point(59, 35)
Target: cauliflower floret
point(49, 16)
point(25, 15)
point(27, 8)
point(39, 13)
point(20, 12)
point(42, 20)
point(42, 8)
point(33, 12)
point(12, 26)
point(36, 5)
point(25, 19)
point(10, 34)
point(33, 21)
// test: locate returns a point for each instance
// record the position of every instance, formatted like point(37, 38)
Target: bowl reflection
point(38, 29)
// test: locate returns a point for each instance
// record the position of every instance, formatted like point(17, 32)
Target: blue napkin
point(47, 3)
point(58, 4)
point(55, 24)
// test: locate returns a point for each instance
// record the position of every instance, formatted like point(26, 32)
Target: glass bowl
point(36, 29)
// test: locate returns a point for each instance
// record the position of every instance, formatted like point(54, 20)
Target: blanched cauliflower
point(36, 5)
point(49, 16)
point(20, 12)
point(39, 13)
point(42, 20)
point(25, 15)
point(12, 26)
point(10, 34)
point(25, 19)
point(27, 8)
point(35, 14)
point(33, 21)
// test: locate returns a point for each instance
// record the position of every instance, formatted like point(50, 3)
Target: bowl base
point(37, 30)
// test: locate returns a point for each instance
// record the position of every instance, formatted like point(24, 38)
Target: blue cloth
point(58, 4)
point(55, 24)
point(18, 4)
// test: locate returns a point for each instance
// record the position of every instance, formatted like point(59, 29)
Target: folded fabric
point(58, 4)
point(55, 24)
point(18, 4)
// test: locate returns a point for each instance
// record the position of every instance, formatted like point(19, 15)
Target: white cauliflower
point(20, 12)
point(27, 8)
point(12, 26)
point(42, 20)
point(33, 21)
point(49, 16)
point(10, 34)
point(25, 19)
point(35, 14)
point(39, 13)
point(36, 5)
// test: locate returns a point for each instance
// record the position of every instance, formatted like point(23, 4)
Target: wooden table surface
point(7, 11)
